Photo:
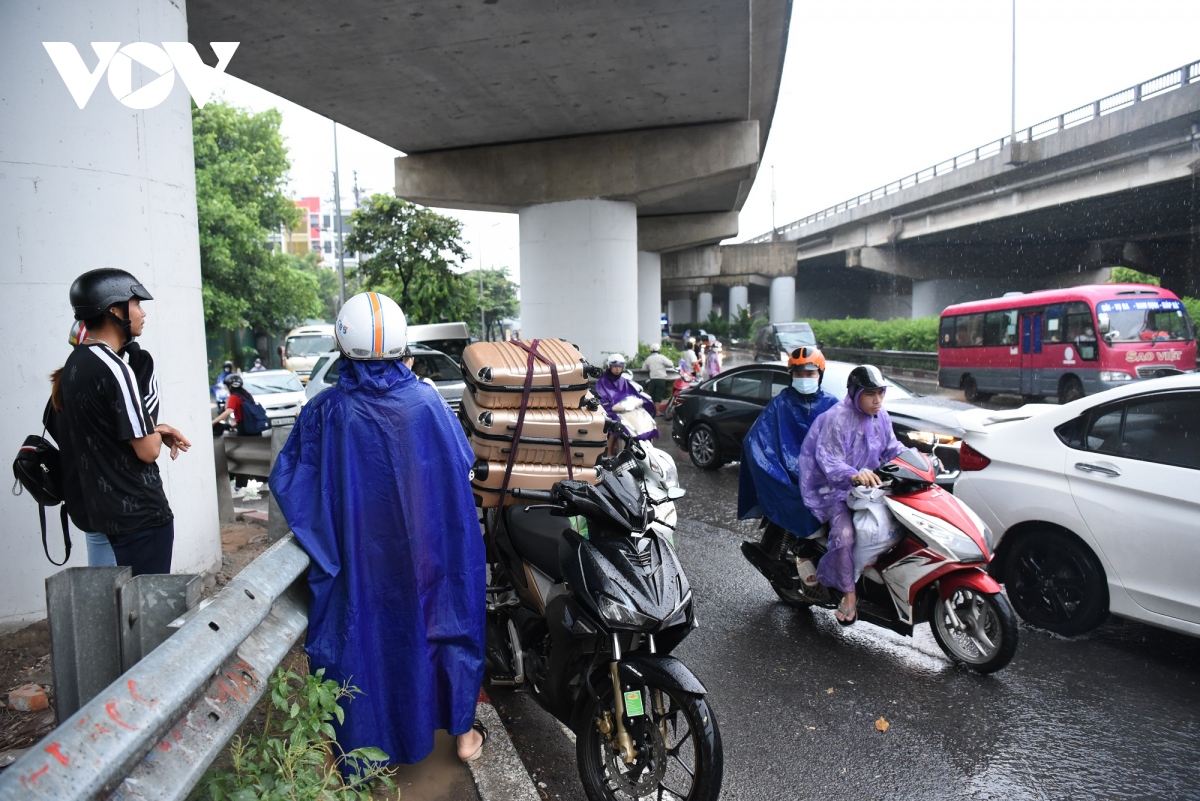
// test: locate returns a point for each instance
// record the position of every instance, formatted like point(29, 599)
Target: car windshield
point(272, 383)
point(790, 340)
point(836, 374)
point(309, 345)
point(435, 367)
point(1149, 320)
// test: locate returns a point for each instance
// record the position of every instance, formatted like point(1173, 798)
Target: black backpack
point(38, 470)
point(253, 418)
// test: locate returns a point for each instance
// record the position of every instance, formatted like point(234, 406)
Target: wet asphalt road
point(1113, 714)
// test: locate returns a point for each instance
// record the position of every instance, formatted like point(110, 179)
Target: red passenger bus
point(1064, 342)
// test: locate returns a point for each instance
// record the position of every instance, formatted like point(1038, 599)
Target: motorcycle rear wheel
point(985, 635)
point(693, 761)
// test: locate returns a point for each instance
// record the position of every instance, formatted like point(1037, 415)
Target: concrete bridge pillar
point(579, 268)
point(931, 297)
point(73, 178)
point(704, 304)
point(680, 311)
point(783, 299)
point(649, 297)
point(739, 298)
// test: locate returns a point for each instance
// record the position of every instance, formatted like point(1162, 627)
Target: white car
point(279, 392)
point(1095, 504)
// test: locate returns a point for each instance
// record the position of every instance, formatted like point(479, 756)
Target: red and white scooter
point(936, 573)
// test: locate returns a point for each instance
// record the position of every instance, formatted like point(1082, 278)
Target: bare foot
point(469, 744)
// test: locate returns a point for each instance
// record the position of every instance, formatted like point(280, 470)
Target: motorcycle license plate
point(633, 704)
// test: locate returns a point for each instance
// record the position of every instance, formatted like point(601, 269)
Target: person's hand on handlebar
point(865, 478)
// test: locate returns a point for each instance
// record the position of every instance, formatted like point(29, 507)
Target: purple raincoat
point(612, 389)
point(843, 441)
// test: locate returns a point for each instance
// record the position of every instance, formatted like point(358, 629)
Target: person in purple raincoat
point(843, 448)
point(624, 401)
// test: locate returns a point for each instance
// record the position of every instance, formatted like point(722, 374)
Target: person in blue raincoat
point(769, 476)
point(375, 482)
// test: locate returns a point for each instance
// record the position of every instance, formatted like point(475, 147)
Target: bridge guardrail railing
point(1168, 81)
point(154, 731)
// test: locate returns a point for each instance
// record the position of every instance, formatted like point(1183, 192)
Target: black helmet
point(865, 376)
point(96, 291)
point(234, 381)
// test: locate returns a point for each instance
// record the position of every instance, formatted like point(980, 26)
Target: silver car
point(427, 363)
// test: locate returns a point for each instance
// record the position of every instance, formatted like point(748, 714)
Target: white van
point(449, 338)
point(304, 345)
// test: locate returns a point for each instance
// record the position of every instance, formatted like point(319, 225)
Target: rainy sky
point(872, 90)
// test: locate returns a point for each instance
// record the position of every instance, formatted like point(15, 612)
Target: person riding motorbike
point(625, 402)
point(218, 389)
point(843, 449)
point(769, 477)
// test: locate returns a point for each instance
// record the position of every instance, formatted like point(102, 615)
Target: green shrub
point(745, 324)
point(1193, 309)
point(296, 756)
point(866, 334)
point(716, 325)
point(1128, 275)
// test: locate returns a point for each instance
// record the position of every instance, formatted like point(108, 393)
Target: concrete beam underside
point(643, 167)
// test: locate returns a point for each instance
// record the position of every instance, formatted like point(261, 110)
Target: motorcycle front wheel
point(976, 629)
point(679, 754)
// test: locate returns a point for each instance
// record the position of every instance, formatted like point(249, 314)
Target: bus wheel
point(1070, 389)
point(971, 391)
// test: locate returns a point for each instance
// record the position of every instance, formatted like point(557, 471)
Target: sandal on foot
point(483, 732)
point(844, 616)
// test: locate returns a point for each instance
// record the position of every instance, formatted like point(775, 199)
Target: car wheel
point(703, 447)
point(1056, 583)
point(1070, 389)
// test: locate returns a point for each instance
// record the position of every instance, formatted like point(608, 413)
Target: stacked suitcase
point(495, 375)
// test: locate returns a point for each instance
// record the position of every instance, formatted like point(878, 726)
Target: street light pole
point(337, 208)
point(1013, 140)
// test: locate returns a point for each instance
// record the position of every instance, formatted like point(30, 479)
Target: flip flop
point(846, 617)
point(479, 727)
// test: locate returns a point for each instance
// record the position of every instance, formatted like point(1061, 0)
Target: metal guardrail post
point(85, 633)
point(277, 527)
point(178, 705)
point(224, 491)
point(147, 604)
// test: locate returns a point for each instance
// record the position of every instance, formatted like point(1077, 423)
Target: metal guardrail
point(154, 731)
point(1168, 81)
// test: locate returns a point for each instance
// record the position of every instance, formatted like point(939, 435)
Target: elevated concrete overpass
point(1111, 183)
point(617, 130)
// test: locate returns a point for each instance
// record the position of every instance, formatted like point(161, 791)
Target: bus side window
point(1053, 325)
point(946, 337)
point(1000, 328)
point(1080, 330)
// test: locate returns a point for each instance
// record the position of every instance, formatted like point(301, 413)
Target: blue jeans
point(100, 552)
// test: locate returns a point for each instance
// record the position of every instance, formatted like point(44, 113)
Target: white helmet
point(655, 348)
point(616, 359)
point(371, 326)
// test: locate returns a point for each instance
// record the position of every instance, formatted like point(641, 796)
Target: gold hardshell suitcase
point(487, 478)
point(495, 374)
point(490, 432)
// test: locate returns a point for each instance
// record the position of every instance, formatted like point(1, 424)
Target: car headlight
point(618, 614)
point(930, 438)
point(1115, 375)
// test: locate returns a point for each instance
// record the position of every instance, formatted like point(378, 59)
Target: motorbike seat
point(536, 535)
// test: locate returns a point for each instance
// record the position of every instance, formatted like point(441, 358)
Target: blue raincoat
point(374, 481)
point(769, 477)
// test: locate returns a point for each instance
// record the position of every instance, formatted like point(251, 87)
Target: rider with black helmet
point(843, 448)
point(108, 427)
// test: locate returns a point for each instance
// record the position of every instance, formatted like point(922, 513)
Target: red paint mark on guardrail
point(164, 746)
point(111, 709)
point(133, 694)
point(33, 777)
point(53, 750)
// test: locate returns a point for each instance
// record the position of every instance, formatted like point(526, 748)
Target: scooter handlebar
point(532, 495)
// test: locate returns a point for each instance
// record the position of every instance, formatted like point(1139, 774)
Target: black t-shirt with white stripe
point(103, 409)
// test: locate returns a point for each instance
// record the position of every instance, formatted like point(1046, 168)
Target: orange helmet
point(803, 356)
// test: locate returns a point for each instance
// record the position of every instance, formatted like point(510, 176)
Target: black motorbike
point(584, 605)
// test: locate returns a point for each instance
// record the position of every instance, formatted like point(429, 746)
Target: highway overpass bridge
point(617, 129)
point(1110, 183)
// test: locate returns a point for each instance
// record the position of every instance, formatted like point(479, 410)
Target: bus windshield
point(1149, 320)
point(309, 345)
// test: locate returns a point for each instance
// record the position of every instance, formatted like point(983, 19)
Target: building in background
point(316, 232)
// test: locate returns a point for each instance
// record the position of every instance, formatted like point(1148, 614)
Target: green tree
point(241, 172)
point(1128, 275)
point(327, 282)
point(408, 252)
point(498, 301)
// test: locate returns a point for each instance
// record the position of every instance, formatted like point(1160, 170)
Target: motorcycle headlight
point(940, 535)
point(662, 464)
point(618, 614)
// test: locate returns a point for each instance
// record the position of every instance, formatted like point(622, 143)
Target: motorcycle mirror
point(675, 493)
